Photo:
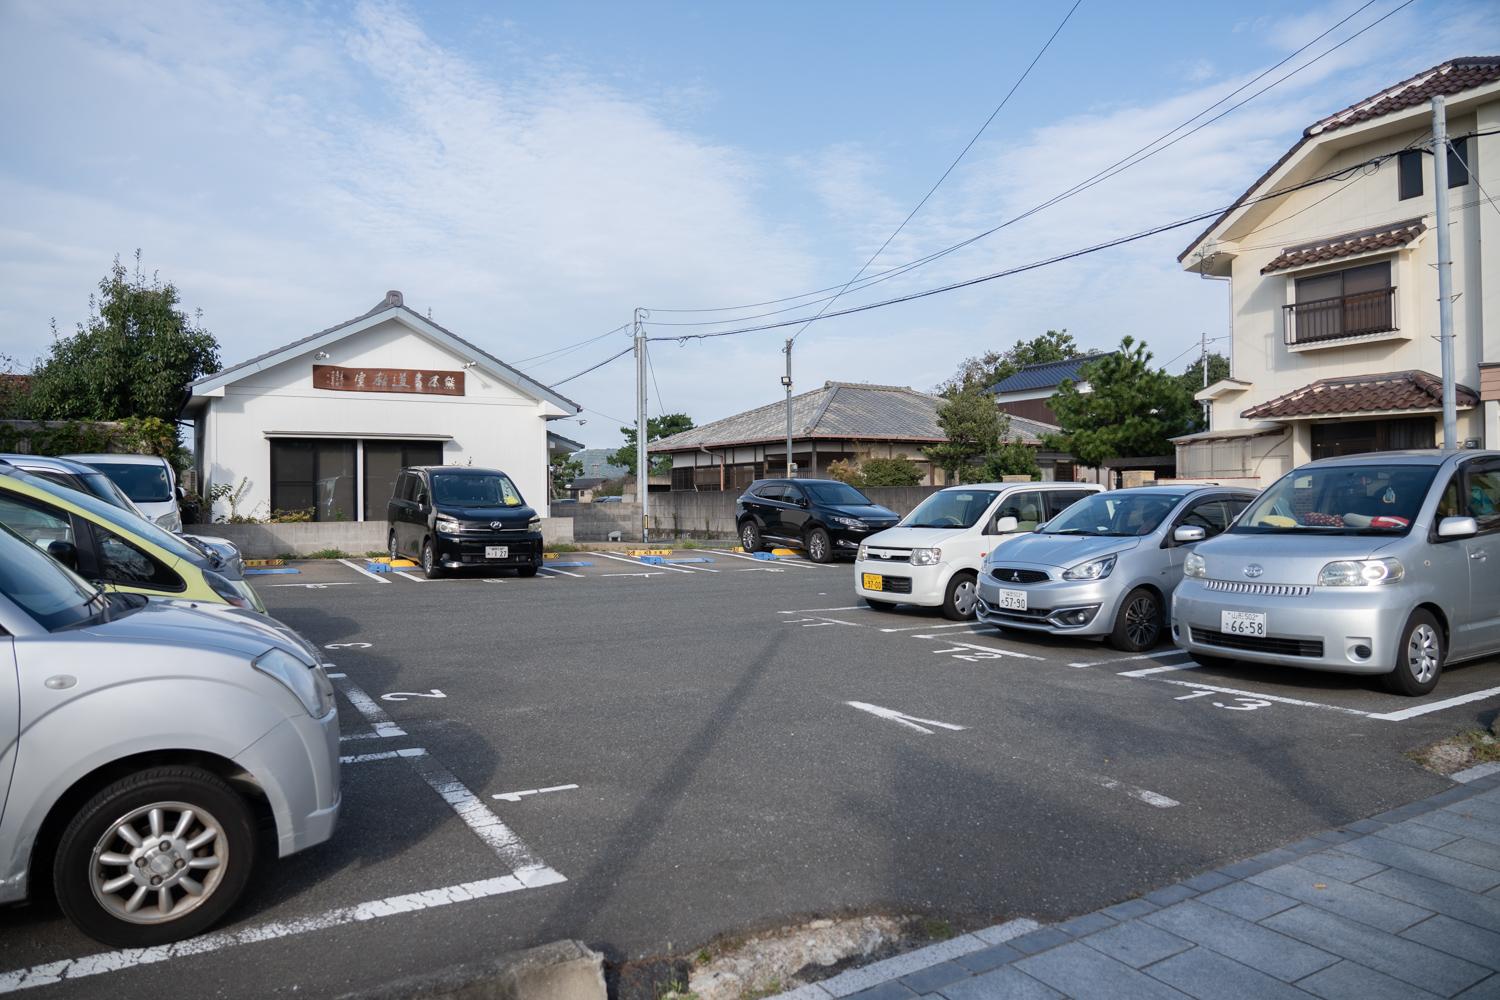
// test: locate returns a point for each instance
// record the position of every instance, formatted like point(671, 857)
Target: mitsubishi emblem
point(1015, 576)
point(1253, 570)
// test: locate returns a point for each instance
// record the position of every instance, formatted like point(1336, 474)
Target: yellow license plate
point(872, 581)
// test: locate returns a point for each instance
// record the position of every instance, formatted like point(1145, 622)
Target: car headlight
point(864, 550)
point(227, 590)
point(535, 524)
point(1096, 569)
point(450, 524)
point(311, 686)
point(1194, 566)
point(848, 522)
point(1361, 573)
point(926, 557)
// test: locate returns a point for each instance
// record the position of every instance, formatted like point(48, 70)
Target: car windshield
point(141, 483)
point(41, 586)
point(1340, 500)
point(1123, 514)
point(462, 489)
point(105, 489)
point(121, 518)
point(951, 509)
point(837, 495)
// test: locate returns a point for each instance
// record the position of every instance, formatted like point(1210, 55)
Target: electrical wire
point(1472, 175)
point(1119, 166)
point(1034, 265)
point(612, 357)
point(568, 349)
point(661, 410)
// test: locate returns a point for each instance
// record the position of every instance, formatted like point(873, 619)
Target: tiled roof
point(1045, 375)
point(1349, 245)
point(1350, 394)
point(1448, 78)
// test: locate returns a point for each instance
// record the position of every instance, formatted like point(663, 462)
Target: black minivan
point(452, 517)
point(823, 517)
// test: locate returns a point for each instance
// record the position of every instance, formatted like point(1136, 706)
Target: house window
point(313, 475)
point(1347, 303)
point(1409, 174)
point(1458, 156)
point(682, 477)
point(384, 460)
point(1354, 437)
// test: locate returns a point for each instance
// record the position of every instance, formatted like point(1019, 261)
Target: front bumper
point(1353, 631)
point(846, 540)
point(1061, 607)
point(901, 582)
point(455, 551)
point(296, 765)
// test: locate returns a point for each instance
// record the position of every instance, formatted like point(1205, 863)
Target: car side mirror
point(181, 493)
point(1188, 534)
point(1005, 525)
point(1448, 527)
point(64, 552)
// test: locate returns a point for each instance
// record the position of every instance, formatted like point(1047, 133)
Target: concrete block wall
point(262, 541)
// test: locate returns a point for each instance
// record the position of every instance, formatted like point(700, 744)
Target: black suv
point(451, 517)
point(822, 517)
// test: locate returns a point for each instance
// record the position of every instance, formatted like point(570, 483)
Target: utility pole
point(786, 380)
point(1444, 267)
point(642, 430)
point(1203, 356)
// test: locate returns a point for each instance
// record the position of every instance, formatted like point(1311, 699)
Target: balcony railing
point(1344, 316)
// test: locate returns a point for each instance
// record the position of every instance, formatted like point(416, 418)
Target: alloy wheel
point(1423, 651)
point(158, 862)
point(1141, 621)
point(817, 548)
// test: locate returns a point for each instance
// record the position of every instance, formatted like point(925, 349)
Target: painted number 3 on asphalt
point(1245, 704)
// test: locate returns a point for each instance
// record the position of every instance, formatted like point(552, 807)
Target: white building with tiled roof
point(1333, 286)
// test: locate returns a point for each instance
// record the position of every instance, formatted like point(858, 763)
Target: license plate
point(1012, 600)
point(1242, 623)
point(872, 581)
point(496, 551)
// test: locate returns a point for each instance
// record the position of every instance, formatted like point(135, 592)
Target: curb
point(562, 970)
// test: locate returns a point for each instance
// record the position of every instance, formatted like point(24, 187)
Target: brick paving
point(1404, 904)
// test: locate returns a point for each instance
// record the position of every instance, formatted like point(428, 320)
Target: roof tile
point(1348, 245)
point(1350, 394)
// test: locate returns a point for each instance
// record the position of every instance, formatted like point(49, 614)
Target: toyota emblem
point(1253, 570)
point(497, 524)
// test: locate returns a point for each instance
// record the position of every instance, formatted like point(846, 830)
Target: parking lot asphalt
point(647, 756)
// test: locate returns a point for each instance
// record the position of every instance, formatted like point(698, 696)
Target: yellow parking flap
point(402, 564)
point(549, 555)
point(783, 552)
point(648, 552)
point(258, 563)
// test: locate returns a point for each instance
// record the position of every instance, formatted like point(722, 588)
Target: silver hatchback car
point(1382, 564)
point(143, 745)
point(1107, 565)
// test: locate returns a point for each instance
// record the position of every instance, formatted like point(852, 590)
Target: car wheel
point(158, 856)
point(1138, 622)
point(880, 605)
point(750, 536)
point(527, 571)
point(1419, 656)
point(961, 598)
point(430, 566)
point(819, 546)
point(390, 546)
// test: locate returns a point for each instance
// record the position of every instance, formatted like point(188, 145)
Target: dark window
point(122, 563)
point(772, 491)
point(682, 477)
point(384, 460)
point(1448, 502)
point(1458, 157)
point(405, 487)
point(792, 494)
point(1060, 500)
point(1351, 437)
point(1345, 303)
point(1209, 515)
point(1235, 508)
point(1483, 499)
point(1409, 174)
point(313, 475)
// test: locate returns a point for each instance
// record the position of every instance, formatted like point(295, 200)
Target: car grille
point(1263, 589)
point(1007, 574)
point(889, 555)
point(895, 584)
point(1029, 615)
point(1258, 644)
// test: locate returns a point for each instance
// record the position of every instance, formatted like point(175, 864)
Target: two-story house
point(1331, 260)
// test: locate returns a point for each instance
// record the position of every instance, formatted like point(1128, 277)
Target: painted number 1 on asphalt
point(1245, 704)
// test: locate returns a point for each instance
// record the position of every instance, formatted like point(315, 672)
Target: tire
point(390, 546)
point(79, 879)
point(1212, 662)
point(750, 537)
point(1138, 623)
point(819, 546)
point(1419, 656)
point(880, 605)
point(430, 567)
point(526, 571)
point(961, 597)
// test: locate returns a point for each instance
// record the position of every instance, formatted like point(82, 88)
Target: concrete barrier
point(260, 541)
point(563, 970)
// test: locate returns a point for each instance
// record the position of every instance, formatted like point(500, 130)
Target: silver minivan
point(1383, 564)
point(1107, 565)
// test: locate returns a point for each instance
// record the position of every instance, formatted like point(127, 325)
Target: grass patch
point(769, 990)
point(556, 547)
point(327, 554)
point(1456, 753)
point(936, 929)
point(287, 556)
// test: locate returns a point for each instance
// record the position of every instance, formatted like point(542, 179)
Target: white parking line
point(637, 562)
point(360, 569)
point(373, 713)
point(983, 649)
point(365, 758)
point(410, 576)
point(631, 574)
point(934, 628)
point(1164, 668)
point(803, 611)
point(1436, 706)
point(1128, 659)
point(1265, 697)
point(564, 572)
point(781, 560)
point(1148, 797)
point(516, 796)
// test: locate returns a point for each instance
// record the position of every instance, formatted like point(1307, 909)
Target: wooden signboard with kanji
point(418, 381)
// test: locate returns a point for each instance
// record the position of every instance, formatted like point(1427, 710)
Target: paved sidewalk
point(1405, 905)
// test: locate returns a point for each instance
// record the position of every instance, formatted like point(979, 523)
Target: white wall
point(491, 425)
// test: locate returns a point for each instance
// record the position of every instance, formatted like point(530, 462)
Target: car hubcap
point(748, 538)
point(963, 598)
point(158, 862)
point(392, 545)
point(427, 558)
point(1422, 652)
point(817, 547)
point(1140, 621)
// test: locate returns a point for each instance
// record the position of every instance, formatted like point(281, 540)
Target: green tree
point(1131, 411)
point(564, 471)
point(972, 426)
point(984, 370)
point(135, 357)
point(656, 428)
point(1012, 458)
point(13, 388)
point(889, 472)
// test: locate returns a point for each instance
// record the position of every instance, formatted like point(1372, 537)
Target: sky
point(530, 174)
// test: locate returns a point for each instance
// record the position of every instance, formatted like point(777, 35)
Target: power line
point(569, 348)
point(1119, 166)
point(1472, 175)
point(612, 357)
point(1034, 265)
point(661, 409)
